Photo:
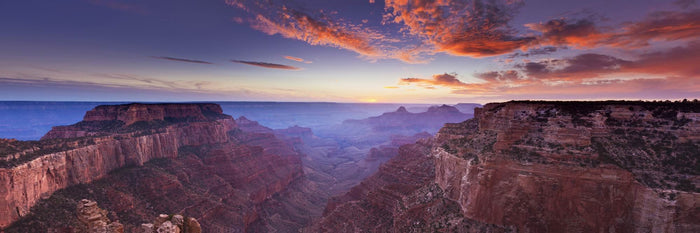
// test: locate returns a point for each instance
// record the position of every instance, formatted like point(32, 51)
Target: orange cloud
point(477, 28)
point(672, 71)
point(462, 28)
point(447, 80)
point(296, 25)
point(297, 59)
point(316, 29)
point(657, 26)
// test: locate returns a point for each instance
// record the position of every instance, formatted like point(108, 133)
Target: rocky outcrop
point(131, 113)
point(581, 166)
point(204, 164)
point(109, 119)
point(172, 224)
point(95, 220)
point(400, 197)
point(24, 184)
point(542, 167)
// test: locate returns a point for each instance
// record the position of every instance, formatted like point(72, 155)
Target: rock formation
point(540, 167)
point(139, 160)
point(407, 123)
point(95, 220)
point(172, 224)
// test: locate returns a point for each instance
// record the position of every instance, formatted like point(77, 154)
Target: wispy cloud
point(181, 60)
point(297, 59)
point(657, 26)
point(472, 28)
point(267, 65)
point(125, 89)
point(667, 70)
point(319, 28)
point(446, 80)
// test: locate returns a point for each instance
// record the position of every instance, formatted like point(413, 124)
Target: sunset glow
point(343, 51)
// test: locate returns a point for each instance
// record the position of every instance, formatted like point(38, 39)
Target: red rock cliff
point(581, 166)
point(539, 167)
point(23, 184)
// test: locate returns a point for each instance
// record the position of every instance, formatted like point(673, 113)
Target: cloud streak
point(182, 60)
point(471, 28)
point(267, 65)
point(584, 33)
point(318, 28)
point(674, 69)
point(297, 59)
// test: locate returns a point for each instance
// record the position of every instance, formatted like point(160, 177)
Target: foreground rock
point(539, 167)
point(172, 224)
point(95, 220)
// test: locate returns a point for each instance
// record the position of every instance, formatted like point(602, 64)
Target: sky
point(393, 51)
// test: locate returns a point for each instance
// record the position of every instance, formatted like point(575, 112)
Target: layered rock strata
point(95, 220)
point(543, 167)
point(187, 158)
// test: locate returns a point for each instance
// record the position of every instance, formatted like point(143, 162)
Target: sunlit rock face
point(543, 167)
point(174, 158)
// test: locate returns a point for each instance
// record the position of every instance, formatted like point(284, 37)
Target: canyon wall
point(555, 167)
point(204, 146)
point(541, 167)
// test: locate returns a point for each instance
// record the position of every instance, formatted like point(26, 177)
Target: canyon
point(538, 167)
point(139, 160)
point(233, 175)
point(519, 166)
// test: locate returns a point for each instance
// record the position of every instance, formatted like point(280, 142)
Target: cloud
point(584, 33)
point(673, 71)
point(463, 28)
point(535, 51)
point(274, 17)
point(678, 61)
point(267, 65)
point(446, 80)
point(472, 28)
point(581, 66)
point(182, 60)
point(508, 75)
point(297, 59)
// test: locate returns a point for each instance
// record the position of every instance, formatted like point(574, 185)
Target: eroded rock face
point(131, 113)
point(562, 167)
point(94, 219)
point(400, 197)
point(543, 167)
point(110, 119)
point(172, 224)
point(209, 168)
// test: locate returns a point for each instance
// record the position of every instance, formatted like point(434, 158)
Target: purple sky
point(438, 51)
